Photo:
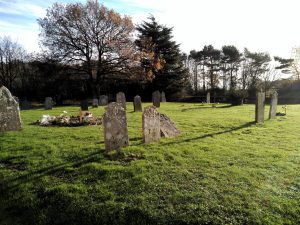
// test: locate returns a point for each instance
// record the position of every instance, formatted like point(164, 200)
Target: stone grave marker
point(10, 119)
point(167, 127)
point(137, 104)
point(151, 125)
point(273, 105)
point(95, 103)
point(120, 98)
point(115, 127)
point(163, 97)
point(103, 100)
point(48, 103)
point(208, 98)
point(84, 105)
point(25, 105)
point(260, 107)
point(156, 99)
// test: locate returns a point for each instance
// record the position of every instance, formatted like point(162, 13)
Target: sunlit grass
point(222, 169)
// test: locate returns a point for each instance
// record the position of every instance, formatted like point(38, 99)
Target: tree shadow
point(211, 134)
point(207, 107)
point(13, 183)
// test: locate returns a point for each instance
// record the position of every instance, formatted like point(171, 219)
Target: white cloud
point(22, 8)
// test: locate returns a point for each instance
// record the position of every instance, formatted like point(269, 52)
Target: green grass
point(222, 169)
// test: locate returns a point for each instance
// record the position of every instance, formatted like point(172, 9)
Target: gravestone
point(121, 99)
point(151, 125)
point(115, 127)
point(84, 105)
point(48, 103)
point(273, 105)
point(156, 99)
point(137, 104)
point(95, 103)
point(10, 119)
point(25, 105)
point(260, 107)
point(167, 127)
point(208, 98)
point(163, 97)
point(103, 100)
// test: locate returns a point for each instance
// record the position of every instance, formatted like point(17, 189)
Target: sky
point(260, 25)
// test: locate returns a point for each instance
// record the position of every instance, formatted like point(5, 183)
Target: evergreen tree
point(162, 60)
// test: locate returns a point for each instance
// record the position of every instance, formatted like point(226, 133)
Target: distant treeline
point(89, 50)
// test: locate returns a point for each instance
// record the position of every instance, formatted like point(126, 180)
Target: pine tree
point(162, 61)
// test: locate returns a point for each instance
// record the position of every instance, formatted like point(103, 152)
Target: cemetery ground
point(222, 169)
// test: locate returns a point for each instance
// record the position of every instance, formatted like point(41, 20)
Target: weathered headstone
point(156, 99)
point(84, 105)
point(48, 103)
point(163, 97)
point(208, 98)
point(115, 127)
point(260, 107)
point(10, 119)
point(151, 125)
point(137, 104)
point(120, 98)
point(95, 103)
point(25, 105)
point(103, 100)
point(167, 127)
point(273, 105)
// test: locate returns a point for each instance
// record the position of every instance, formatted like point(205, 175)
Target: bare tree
point(12, 57)
point(91, 36)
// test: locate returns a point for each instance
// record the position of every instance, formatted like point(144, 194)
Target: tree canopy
point(91, 36)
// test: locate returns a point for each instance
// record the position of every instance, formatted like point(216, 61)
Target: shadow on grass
point(52, 170)
point(207, 107)
point(211, 135)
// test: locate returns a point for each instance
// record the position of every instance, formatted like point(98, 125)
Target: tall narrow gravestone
point(273, 105)
point(151, 125)
point(137, 104)
point(84, 105)
point(121, 99)
point(48, 103)
point(115, 127)
point(103, 100)
point(163, 97)
point(95, 103)
point(260, 107)
point(208, 98)
point(156, 99)
point(10, 119)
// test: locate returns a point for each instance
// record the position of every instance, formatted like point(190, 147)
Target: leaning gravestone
point(208, 98)
point(10, 119)
point(137, 104)
point(48, 103)
point(163, 97)
point(95, 103)
point(115, 127)
point(260, 107)
point(156, 99)
point(84, 105)
point(168, 127)
point(151, 125)
point(273, 105)
point(121, 99)
point(103, 100)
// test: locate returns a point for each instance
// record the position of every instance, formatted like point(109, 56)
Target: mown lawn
point(223, 169)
